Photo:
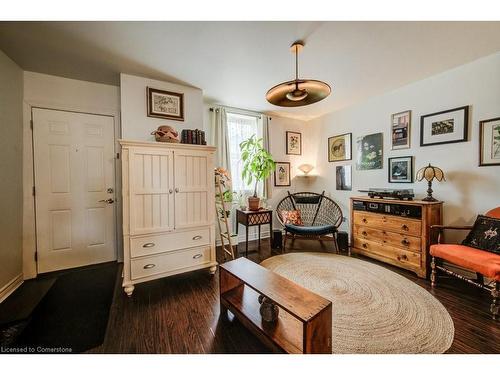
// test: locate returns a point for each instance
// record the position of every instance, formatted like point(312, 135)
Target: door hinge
point(36, 256)
point(117, 155)
point(34, 191)
point(31, 124)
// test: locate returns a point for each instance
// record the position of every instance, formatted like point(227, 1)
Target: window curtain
point(219, 138)
point(268, 192)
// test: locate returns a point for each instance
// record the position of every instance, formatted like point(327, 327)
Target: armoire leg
point(129, 289)
point(213, 269)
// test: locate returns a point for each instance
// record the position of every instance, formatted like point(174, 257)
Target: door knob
point(108, 201)
point(176, 190)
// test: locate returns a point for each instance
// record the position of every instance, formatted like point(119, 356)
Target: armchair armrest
point(441, 228)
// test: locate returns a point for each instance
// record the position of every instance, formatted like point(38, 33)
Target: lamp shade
point(430, 173)
point(306, 168)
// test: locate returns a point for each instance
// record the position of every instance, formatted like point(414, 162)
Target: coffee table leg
point(259, 236)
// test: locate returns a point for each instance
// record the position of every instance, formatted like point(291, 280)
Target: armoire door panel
point(151, 191)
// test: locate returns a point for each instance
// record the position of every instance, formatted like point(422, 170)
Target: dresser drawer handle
point(195, 238)
point(364, 220)
point(149, 244)
point(405, 242)
point(364, 233)
point(364, 245)
point(196, 256)
point(404, 227)
point(149, 266)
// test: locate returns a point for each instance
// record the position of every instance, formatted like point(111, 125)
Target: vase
point(268, 310)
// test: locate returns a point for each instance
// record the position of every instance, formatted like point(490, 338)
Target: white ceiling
point(235, 63)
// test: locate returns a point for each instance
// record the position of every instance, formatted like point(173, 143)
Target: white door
point(194, 183)
point(74, 182)
point(151, 180)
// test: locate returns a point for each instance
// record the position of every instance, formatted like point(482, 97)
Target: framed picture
point(293, 143)
point(165, 104)
point(401, 169)
point(344, 177)
point(282, 174)
point(370, 152)
point(444, 127)
point(400, 130)
point(489, 142)
point(340, 147)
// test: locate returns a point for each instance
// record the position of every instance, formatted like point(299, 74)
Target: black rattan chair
point(320, 214)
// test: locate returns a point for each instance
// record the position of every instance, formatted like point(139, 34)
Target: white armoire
point(168, 210)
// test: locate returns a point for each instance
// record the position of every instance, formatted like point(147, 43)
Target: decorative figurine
point(268, 310)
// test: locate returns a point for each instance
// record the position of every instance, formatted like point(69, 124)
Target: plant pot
point(253, 203)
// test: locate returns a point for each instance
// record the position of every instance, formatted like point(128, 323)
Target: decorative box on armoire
point(168, 210)
point(395, 231)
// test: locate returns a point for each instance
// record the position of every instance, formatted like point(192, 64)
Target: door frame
point(30, 266)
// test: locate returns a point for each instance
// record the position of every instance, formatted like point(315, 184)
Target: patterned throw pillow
point(485, 234)
point(292, 217)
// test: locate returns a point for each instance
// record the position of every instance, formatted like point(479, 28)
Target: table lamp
point(306, 168)
point(430, 173)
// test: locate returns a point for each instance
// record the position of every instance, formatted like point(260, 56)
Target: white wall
point(469, 189)
point(11, 204)
point(47, 91)
point(135, 123)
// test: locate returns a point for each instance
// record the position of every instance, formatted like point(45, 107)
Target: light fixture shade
point(316, 91)
point(429, 173)
point(306, 168)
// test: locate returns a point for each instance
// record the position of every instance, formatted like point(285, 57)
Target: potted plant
point(258, 164)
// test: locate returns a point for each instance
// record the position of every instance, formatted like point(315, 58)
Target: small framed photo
point(344, 177)
point(400, 130)
point(293, 143)
point(444, 127)
point(489, 142)
point(165, 104)
point(401, 169)
point(370, 152)
point(340, 147)
point(282, 174)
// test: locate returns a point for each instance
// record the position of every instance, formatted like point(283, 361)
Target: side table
point(253, 218)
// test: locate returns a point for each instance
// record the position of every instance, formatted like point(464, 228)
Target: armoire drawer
point(396, 255)
point(393, 223)
point(390, 238)
point(160, 243)
point(156, 264)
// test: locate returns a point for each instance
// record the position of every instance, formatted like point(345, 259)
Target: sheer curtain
point(219, 138)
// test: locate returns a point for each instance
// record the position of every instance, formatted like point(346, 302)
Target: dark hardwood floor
point(180, 314)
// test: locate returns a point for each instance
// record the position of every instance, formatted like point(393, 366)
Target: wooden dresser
point(168, 210)
point(395, 231)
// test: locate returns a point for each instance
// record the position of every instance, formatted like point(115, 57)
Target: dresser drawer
point(397, 256)
point(390, 223)
point(156, 264)
point(400, 240)
point(160, 243)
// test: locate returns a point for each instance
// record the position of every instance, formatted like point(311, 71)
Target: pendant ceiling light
point(298, 92)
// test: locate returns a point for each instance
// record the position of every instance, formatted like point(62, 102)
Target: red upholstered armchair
point(483, 263)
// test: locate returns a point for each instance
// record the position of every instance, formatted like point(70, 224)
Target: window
point(241, 127)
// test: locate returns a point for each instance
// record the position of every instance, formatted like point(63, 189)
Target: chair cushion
point(484, 262)
point(485, 234)
point(310, 231)
point(292, 217)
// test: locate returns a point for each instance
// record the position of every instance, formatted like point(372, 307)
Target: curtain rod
point(241, 111)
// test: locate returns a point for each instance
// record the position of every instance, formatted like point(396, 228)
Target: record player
point(402, 194)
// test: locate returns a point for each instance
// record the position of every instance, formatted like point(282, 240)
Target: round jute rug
point(374, 310)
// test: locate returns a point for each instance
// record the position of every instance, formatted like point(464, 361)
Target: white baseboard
point(251, 237)
point(10, 287)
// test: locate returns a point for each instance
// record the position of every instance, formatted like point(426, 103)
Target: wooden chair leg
point(284, 241)
point(433, 272)
point(336, 243)
point(495, 303)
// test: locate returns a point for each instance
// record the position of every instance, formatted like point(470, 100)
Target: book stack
point(193, 137)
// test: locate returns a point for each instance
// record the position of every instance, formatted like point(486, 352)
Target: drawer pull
point(402, 257)
point(365, 245)
point(149, 266)
point(195, 238)
point(364, 220)
point(404, 227)
point(405, 242)
point(196, 256)
point(364, 233)
point(149, 244)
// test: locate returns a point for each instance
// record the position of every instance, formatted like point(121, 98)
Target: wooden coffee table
point(305, 319)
